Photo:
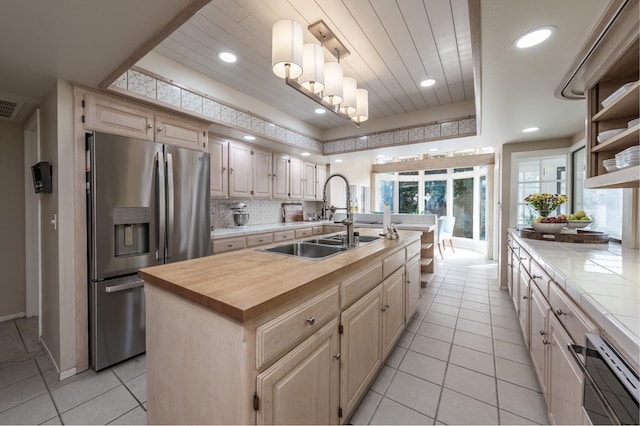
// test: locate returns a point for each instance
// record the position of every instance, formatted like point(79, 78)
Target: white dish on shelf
point(610, 167)
point(605, 136)
point(615, 95)
point(633, 123)
point(623, 164)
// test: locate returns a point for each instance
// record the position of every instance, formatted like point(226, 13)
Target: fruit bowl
point(574, 224)
point(549, 228)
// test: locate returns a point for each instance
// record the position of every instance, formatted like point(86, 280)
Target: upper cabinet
point(321, 178)
point(296, 176)
point(280, 176)
point(219, 156)
point(262, 174)
point(240, 171)
point(110, 114)
point(613, 128)
point(309, 181)
point(606, 72)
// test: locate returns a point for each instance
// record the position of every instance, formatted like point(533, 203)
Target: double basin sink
point(317, 248)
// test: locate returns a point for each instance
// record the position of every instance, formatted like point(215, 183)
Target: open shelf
point(625, 178)
point(620, 142)
point(625, 106)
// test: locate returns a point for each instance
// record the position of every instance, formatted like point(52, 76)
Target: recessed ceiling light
point(433, 149)
point(320, 110)
point(534, 36)
point(306, 154)
point(380, 156)
point(428, 82)
point(227, 57)
point(338, 160)
point(530, 129)
point(249, 138)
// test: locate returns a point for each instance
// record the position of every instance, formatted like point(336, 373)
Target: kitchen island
point(250, 336)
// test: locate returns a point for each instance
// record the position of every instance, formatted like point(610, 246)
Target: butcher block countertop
point(247, 283)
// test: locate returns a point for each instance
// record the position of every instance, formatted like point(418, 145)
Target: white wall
point(356, 172)
point(58, 281)
point(12, 245)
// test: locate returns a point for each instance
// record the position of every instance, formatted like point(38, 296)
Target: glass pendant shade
point(312, 77)
point(286, 48)
point(332, 93)
point(349, 88)
point(362, 109)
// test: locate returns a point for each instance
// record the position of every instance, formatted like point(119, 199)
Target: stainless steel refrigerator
point(147, 204)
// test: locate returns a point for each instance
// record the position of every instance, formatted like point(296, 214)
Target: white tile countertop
point(603, 279)
point(239, 231)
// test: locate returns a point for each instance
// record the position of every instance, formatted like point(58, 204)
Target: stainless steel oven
point(611, 386)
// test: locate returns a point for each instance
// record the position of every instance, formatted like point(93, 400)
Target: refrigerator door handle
point(170, 206)
point(123, 287)
point(160, 206)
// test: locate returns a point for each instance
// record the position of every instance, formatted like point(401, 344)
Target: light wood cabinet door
point(296, 173)
point(539, 337)
point(309, 181)
point(565, 378)
point(280, 176)
point(262, 181)
point(321, 178)
point(523, 304)
point(178, 131)
point(119, 117)
point(412, 286)
point(360, 347)
point(392, 310)
point(303, 386)
point(240, 170)
point(219, 157)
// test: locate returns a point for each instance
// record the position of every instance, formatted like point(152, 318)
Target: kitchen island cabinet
point(251, 337)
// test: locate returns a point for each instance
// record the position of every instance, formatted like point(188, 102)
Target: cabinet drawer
point(227, 244)
point(259, 239)
point(570, 315)
point(317, 230)
point(330, 229)
point(392, 262)
point(303, 232)
point(413, 249)
point(283, 236)
point(353, 288)
point(540, 278)
point(287, 330)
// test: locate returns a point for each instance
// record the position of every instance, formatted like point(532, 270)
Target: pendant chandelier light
point(320, 81)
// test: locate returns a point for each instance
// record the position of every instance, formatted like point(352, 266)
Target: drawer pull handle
point(560, 312)
point(535, 277)
point(523, 258)
point(337, 356)
point(545, 342)
point(311, 320)
point(230, 245)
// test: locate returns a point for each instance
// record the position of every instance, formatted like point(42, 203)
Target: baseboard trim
point(12, 316)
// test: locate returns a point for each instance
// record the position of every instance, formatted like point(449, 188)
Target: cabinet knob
point(230, 169)
point(149, 126)
point(337, 356)
point(560, 312)
point(224, 169)
point(311, 320)
point(542, 333)
point(384, 308)
point(545, 342)
point(159, 129)
point(525, 297)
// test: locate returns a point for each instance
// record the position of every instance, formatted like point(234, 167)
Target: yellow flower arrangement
point(545, 201)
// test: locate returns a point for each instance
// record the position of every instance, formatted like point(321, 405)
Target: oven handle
point(575, 350)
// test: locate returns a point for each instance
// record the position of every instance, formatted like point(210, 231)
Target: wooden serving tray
point(580, 237)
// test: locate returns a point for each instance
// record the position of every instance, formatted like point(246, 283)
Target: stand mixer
point(240, 216)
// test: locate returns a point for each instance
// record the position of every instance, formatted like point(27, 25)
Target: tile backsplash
point(261, 212)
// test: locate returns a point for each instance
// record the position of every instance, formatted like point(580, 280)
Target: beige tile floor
point(461, 361)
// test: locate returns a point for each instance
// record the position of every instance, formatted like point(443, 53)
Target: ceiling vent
point(9, 109)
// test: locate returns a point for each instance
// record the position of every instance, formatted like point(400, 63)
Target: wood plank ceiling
point(394, 45)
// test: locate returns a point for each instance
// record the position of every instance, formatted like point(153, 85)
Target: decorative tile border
point(143, 84)
point(414, 134)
